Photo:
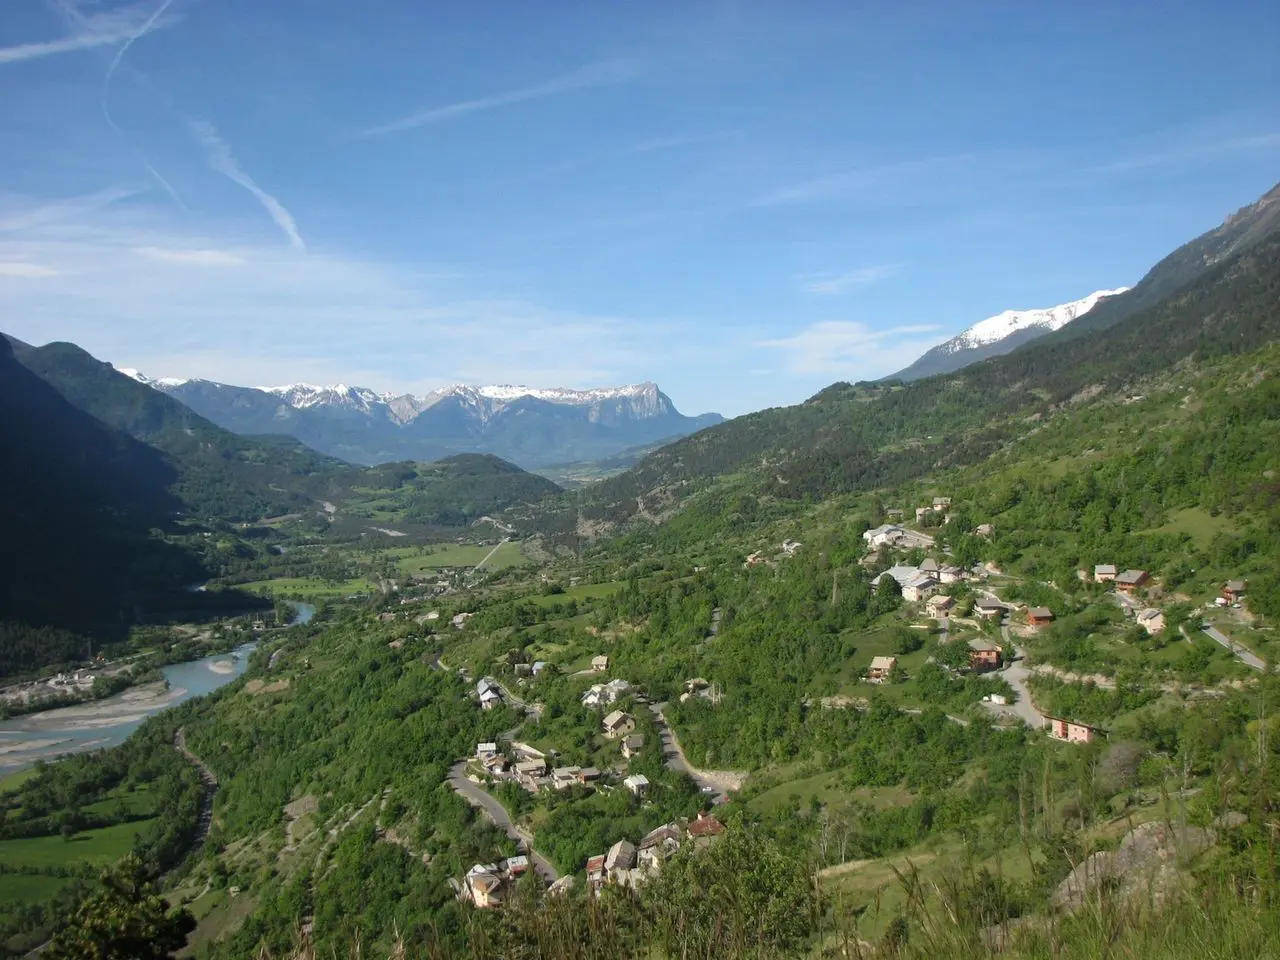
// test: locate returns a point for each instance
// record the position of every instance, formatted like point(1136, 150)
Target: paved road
point(475, 795)
point(673, 753)
point(1245, 657)
point(1015, 674)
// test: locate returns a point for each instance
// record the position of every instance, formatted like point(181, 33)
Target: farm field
point(96, 847)
point(417, 559)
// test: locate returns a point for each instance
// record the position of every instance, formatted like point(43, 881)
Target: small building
point(658, 845)
point(887, 534)
point(484, 750)
point(880, 668)
point(1070, 731)
point(941, 503)
point(539, 667)
point(930, 566)
point(632, 745)
point(704, 829)
point(530, 771)
point(939, 606)
point(482, 886)
point(789, 547)
point(1131, 580)
point(460, 620)
point(950, 574)
point(984, 655)
point(562, 778)
point(984, 530)
point(1039, 616)
point(588, 776)
point(599, 664)
point(1234, 590)
point(621, 856)
point(490, 699)
point(894, 513)
point(637, 783)
point(595, 872)
point(1104, 572)
point(755, 559)
point(922, 512)
point(618, 724)
point(921, 588)
point(989, 609)
point(515, 867)
point(1151, 620)
point(495, 763)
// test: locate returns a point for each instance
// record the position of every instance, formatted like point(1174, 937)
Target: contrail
point(106, 94)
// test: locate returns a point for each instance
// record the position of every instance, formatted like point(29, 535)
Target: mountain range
point(529, 426)
point(998, 335)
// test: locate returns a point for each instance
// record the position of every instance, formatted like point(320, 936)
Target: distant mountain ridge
point(998, 335)
point(529, 426)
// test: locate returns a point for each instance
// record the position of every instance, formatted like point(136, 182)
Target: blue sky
point(741, 201)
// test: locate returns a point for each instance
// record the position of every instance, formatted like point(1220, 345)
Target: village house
point(983, 656)
point(1151, 620)
point(618, 724)
point(539, 667)
point(599, 664)
point(988, 609)
point(930, 566)
point(984, 530)
point(922, 512)
point(489, 692)
point(632, 745)
point(884, 535)
point(595, 872)
point(637, 783)
point(950, 574)
point(880, 668)
point(1130, 580)
point(658, 845)
point(1104, 572)
point(1071, 732)
point(621, 856)
point(562, 778)
point(941, 503)
point(704, 829)
point(515, 867)
point(588, 776)
point(939, 606)
point(894, 513)
point(921, 588)
point(495, 764)
point(485, 750)
point(529, 772)
point(1039, 617)
point(482, 886)
point(460, 620)
point(1233, 591)
point(603, 694)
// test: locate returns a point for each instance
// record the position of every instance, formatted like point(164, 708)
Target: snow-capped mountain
point(531, 426)
point(999, 335)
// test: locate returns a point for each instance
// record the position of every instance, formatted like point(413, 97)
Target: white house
point(637, 783)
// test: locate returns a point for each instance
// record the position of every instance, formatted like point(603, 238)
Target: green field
point(418, 559)
point(1198, 525)
point(310, 587)
point(96, 847)
point(29, 887)
point(583, 591)
point(13, 781)
point(827, 788)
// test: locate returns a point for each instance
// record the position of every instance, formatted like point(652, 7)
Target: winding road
point(480, 798)
point(1015, 673)
point(210, 781)
point(1244, 656)
point(718, 782)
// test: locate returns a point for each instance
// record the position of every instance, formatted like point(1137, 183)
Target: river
point(108, 722)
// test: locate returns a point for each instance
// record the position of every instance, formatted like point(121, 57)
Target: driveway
point(1245, 657)
point(478, 797)
point(1015, 674)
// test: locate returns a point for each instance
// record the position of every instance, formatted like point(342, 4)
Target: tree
point(127, 920)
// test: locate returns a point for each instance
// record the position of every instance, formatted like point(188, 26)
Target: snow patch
point(1005, 324)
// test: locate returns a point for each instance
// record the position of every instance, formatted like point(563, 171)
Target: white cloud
point(200, 258)
point(27, 270)
point(834, 284)
point(28, 215)
point(850, 350)
point(592, 75)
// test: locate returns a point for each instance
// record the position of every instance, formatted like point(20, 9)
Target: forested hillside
point(867, 435)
